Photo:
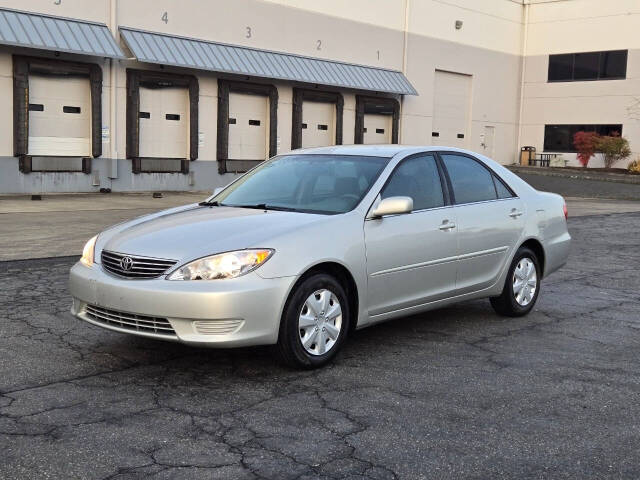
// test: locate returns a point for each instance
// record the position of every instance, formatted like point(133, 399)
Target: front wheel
point(314, 323)
point(522, 286)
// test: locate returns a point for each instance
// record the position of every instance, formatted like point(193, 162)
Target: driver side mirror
point(393, 206)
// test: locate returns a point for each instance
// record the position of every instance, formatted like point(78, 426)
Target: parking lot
point(454, 393)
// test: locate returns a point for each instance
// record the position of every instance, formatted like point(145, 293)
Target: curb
point(5, 265)
point(576, 174)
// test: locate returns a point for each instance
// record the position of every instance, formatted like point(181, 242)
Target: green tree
point(613, 148)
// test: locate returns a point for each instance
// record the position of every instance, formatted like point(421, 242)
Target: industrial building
point(150, 95)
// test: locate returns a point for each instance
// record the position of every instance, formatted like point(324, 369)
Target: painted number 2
point(319, 45)
point(165, 17)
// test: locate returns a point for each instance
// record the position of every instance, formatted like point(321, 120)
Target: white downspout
point(113, 94)
point(404, 63)
point(522, 75)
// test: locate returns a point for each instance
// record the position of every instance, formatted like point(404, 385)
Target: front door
point(411, 258)
point(490, 219)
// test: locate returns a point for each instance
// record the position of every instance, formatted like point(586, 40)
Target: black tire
point(289, 347)
point(506, 303)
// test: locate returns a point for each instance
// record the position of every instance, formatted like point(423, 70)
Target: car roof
point(376, 150)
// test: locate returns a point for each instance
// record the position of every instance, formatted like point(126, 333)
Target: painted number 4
point(165, 17)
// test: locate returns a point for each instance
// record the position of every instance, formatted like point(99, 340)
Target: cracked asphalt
point(454, 393)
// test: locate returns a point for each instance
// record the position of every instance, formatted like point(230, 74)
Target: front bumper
point(226, 313)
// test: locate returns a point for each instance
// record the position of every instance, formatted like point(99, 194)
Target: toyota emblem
point(126, 263)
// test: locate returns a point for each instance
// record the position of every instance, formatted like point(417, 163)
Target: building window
point(559, 138)
point(577, 67)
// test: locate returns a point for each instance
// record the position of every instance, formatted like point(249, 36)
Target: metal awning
point(45, 32)
point(160, 48)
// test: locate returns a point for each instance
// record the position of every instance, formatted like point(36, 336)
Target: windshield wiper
point(210, 204)
point(264, 206)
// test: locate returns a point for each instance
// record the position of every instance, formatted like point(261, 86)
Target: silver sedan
point(309, 246)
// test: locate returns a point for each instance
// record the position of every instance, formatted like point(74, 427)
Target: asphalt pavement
point(454, 393)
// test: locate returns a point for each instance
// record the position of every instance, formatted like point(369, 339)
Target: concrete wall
point(415, 36)
point(572, 27)
point(497, 38)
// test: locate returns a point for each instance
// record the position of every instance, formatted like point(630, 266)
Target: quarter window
point(501, 188)
point(418, 178)
point(471, 181)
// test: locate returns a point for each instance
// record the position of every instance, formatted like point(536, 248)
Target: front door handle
point(515, 213)
point(447, 225)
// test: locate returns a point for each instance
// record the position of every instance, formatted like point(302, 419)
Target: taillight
point(566, 212)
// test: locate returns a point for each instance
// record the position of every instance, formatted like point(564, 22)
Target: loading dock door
point(164, 122)
point(451, 109)
point(59, 116)
point(248, 126)
point(377, 128)
point(318, 124)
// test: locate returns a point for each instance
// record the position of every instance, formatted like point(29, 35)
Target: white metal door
point(164, 122)
point(59, 116)
point(377, 128)
point(488, 140)
point(451, 109)
point(248, 126)
point(318, 124)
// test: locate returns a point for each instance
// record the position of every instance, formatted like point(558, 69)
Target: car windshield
point(326, 184)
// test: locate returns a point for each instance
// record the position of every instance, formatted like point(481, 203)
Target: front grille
point(138, 267)
point(130, 321)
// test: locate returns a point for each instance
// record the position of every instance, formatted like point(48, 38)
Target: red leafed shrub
point(586, 144)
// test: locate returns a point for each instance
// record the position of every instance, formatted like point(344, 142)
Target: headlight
point(223, 265)
point(88, 251)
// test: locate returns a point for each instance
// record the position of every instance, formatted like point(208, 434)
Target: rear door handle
point(515, 214)
point(447, 225)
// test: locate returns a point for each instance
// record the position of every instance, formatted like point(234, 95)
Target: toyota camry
point(311, 245)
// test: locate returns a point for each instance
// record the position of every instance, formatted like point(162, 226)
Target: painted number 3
point(248, 35)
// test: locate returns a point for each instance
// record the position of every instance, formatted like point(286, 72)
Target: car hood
point(196, 231)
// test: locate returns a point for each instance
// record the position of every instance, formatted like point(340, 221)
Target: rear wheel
point(521, 287)
point(314, 323)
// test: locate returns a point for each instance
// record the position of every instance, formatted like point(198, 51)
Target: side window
point(501, 188)
point(419, 179)
point(471, 181)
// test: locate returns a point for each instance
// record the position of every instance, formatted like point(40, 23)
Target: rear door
point(411, 258)
point(490, 219)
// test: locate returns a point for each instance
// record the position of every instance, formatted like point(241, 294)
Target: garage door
point(318, 124)
point(377, 128)
point(164, 122)
point(59, 116)
point(248, 126)
point(451, 109)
